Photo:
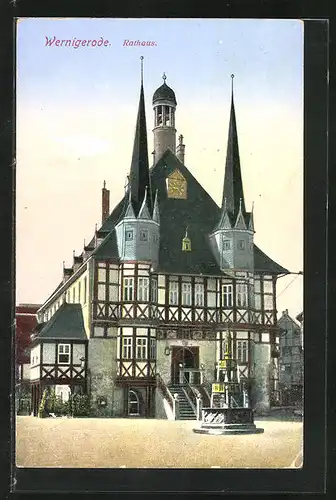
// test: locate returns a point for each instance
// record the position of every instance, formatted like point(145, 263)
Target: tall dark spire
point(233, 186)
point(139, 172)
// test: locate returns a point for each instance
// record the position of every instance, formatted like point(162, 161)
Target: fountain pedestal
point(227, 421)
point(229, 411)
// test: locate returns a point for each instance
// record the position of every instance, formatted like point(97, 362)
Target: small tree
point(55, 404)
point(42, 408)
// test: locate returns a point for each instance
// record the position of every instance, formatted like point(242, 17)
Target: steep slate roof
point(67, 323)
point(233, 185)
point(108, 249)
point(196, 212)
point(264, 264)
point(199, 212)
point(139, 172)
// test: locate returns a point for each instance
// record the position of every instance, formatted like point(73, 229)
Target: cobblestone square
point(149, 443)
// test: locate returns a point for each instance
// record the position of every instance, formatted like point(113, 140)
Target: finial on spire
point(252, 206)
point(141, 59)
point(164, 77)
point(232, 77)
point(225, 203)
point(186, 233)
point(104, 186)
point(240, 203)
point(96, 227)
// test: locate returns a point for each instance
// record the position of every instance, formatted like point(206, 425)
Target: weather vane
point(141, 58)
point(232, 77)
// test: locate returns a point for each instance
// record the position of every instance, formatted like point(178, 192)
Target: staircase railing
point(190, 393)
point(165, 391)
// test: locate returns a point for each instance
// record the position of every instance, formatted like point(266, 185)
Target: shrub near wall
point(78, 405)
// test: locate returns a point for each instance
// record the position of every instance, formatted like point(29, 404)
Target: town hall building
point(168, 282)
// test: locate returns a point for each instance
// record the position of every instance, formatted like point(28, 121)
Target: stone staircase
point(186, 410)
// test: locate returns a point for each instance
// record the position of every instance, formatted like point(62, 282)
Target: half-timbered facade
point(58, 355)
point(165, 283)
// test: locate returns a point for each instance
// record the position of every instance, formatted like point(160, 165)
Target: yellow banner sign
point(222, 363)
point(218, 388)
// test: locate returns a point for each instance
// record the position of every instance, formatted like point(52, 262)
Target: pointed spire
point(240, 221)
point(251, 221)
point(224, 221)
point(156, 212)
point(139, 172)
point(233, 186)
point(144, 212)
point(129, 209)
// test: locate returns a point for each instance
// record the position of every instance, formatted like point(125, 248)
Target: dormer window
point(226, 244)
point(129, 235)
point(143, 235)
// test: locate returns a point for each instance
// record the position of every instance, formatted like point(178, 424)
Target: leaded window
point(152, 349)
point(227, 296)
point(186, 294)
point(241, 295)
point(64, 354)
point(141, 351)
point(143, 289)
point(154, 290)
point(173, 292)
point(242, 351)
point(199, 294)
point(128, 289)
point(127, 344)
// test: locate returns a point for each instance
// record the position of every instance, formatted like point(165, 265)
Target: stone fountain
point(230, 411)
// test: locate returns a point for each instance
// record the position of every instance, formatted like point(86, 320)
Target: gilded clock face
point(177, 185)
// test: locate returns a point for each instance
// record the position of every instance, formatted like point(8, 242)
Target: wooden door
point(188, 357)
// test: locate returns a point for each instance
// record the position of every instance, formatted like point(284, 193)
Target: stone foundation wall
point(261, 385)
point(102, 372)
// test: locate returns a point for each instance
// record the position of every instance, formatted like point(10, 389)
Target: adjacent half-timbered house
point(165, 283)
point(58, 355)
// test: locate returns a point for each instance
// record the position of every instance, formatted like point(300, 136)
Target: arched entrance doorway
point(183, 358)
point(133, 404)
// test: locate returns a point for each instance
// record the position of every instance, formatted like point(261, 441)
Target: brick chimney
point(180, 149)
point(105, 203)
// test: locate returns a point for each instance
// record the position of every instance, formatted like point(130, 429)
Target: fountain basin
point(227, 421)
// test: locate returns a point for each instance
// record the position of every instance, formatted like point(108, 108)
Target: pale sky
point(76, 113)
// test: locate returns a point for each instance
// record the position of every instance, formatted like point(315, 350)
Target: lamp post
point(181, 373)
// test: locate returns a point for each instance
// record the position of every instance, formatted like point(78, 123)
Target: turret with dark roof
point(233, 194)
point(164, 93)
point(139, 172)
point(164, 105)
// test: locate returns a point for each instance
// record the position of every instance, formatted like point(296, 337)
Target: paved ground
point(66, 442)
